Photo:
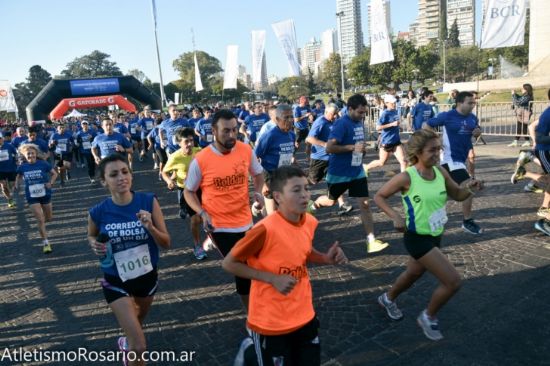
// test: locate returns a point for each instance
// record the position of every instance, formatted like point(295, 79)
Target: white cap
point(389, 99)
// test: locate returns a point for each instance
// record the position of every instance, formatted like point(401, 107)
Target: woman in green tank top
point(424, 188)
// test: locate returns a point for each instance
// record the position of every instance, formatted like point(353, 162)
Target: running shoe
point(519, 174)
point(239, 359)
point(544, 212)
point(255, 211)
point(46, 248)
point(532, 187)
point(525, 157)
point(11, 203)
point(543, 226)
point(430, 327)
point(526, 144)
point(376, 246)
point(199, 253)
point(311, 207)
point(156, 166)
point(390, 306)
point(513, 144)
point(123, 347)
point(207, 244)
point(471, 227)
point(92, 181)
point(344, 209)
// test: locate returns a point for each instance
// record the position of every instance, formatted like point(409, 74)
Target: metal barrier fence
point(495, 119)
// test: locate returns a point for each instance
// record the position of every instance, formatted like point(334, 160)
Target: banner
point(91, 102)
point(258, 47)
point(286, 34)
point(94, 86)
point(198, 82)
point(231, 67)
point(7, 100)
point(381, 50)
point(504, 23)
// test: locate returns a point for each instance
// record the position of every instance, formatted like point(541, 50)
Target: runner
point(8, 168)
point(146, 124)
point(253, 123)
point(274, 255)
point(174, 174)
point(134, 228)
point(63, 142)
point(302, 114)
point(168, 128)
point(422, 111)
point(155, 143)
point(84, 140)
point(424, 188)
point(39, 176)
point(109, 142)
point(203, 128)
point(221, 172)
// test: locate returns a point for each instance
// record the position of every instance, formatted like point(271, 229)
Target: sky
point(53, 33)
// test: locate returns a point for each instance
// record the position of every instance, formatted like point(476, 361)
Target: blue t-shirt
point(85, 140)
point(299, 112)
point(204, 127)
point(265, 128)
point(36, 176)
point(16, 141)
point(8, 156)
point(543, 128)
point(170, 126)
point(63, 143)
point(155, 136)
point(135, 132)
point(243, 114)
point(457, 135)
point(124, 228)
point(48, 132)
point(318, 112)
point(120, 128)
point(107, 143)
point(389, 135)
point(42, 145)
point(421, 113)
point(146, 124)
point(321, 131)
point(254, 123)
point(346, 132)
point(275, 148)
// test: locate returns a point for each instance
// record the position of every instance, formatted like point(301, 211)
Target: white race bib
point(86, 145)
point(37, 190)
point(134, 262)
point(4, 155)
point(356, 159)
point(285, 159)
point(438, 219)
point(149, 124)
point(455, 166)
point(133, 130)
point(208, 138)
point(61, 147)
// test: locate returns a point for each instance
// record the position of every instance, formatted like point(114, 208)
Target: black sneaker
point(471, 227)
point(344, 209)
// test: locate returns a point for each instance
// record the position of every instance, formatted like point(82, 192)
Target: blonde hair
point(39, 154)
point(419, 139)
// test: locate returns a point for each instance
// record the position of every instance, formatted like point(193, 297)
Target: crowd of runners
point(229, 165)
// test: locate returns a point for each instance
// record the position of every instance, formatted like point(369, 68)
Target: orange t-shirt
point(224, 185)
point(279, 246)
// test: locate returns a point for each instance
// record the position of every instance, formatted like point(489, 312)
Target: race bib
point(86, 145)
point(456, 166)
point(133, 130)
point(438, 219)
point(4, 155)
point(356, 159)
point(134, 262)
point(37, 190)
point(285, 159)
point(209, 138)
point(61, 147)
point(149, 124)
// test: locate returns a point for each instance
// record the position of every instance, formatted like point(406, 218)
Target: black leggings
point(522, 129)
point(90, 162)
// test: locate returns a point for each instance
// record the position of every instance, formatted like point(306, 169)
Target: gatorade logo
point(416, 199)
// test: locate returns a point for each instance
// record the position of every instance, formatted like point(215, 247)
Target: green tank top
point(424, 203)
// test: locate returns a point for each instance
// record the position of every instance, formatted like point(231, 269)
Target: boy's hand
point(335, 254)
point(283, 283)
point(171, 185)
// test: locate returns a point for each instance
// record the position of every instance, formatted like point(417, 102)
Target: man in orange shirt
point(221, 172)
point(274, 254)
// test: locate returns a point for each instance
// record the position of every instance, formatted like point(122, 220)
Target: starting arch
point(91, 102)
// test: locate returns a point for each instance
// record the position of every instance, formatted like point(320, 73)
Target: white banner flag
point(198, 82)
point(286, 34)
point(258, 47)
point(380, 43)
point(504, 23)
point(231, 67)
point(7, 100)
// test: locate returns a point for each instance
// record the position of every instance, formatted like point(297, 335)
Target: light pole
point(444, 63)
point(339, 16)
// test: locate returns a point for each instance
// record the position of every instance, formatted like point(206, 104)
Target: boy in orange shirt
point(273, 254)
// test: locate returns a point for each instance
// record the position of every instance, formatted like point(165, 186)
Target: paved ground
point(500, 316)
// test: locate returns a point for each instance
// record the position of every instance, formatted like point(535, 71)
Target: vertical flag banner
point(258, 47)
point(198, 82)
point(381, 50)
point(231, 67)
point(504, 23)
point(7, 99)
point(286, 34)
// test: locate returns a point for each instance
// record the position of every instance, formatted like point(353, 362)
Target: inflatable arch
point(57, 90)
point(92, 102)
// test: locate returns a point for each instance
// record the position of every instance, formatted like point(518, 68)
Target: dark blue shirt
point(254, 123)
point(107, 143)
point(543, 128)
point(204, 128)
point(170, 126)
point(299, 112)
point(8, 156)
point(421, 113)
point(389, 135)
point(36, 176)
point(63, 142)
point(275, 148)
point(321, 131)
point(346, 132)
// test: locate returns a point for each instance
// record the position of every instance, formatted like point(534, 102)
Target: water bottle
point(107, 259)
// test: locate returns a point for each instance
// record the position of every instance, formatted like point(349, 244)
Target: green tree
point(405, 63)
point(139, 75)
point(426, 62)
point(209, 66)
point(311, 84)
point(462, 63)
point(359, 68)
point(292, 87)
point(453, 41)
point(96, 64)
point(330, 73)
point(26, 91)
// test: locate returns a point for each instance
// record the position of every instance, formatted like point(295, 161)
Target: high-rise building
point(329, 43)
point(350, 31)
point(263, 83)
point(311, 53)
point(244, 78)
point(387, 14)
point(432, 21)
point(463, 11)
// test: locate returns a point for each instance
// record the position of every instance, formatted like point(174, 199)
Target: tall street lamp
point(339, 16)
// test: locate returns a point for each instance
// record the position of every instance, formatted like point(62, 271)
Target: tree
point(453, 41)
point(427, 61)
point(331, 76)
point(292, 87)
point(462, 63)
point(139, 75)
point(96, 64)
point(405, 63)
point(208, 66)
point(25, 92)
point(359, 68)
